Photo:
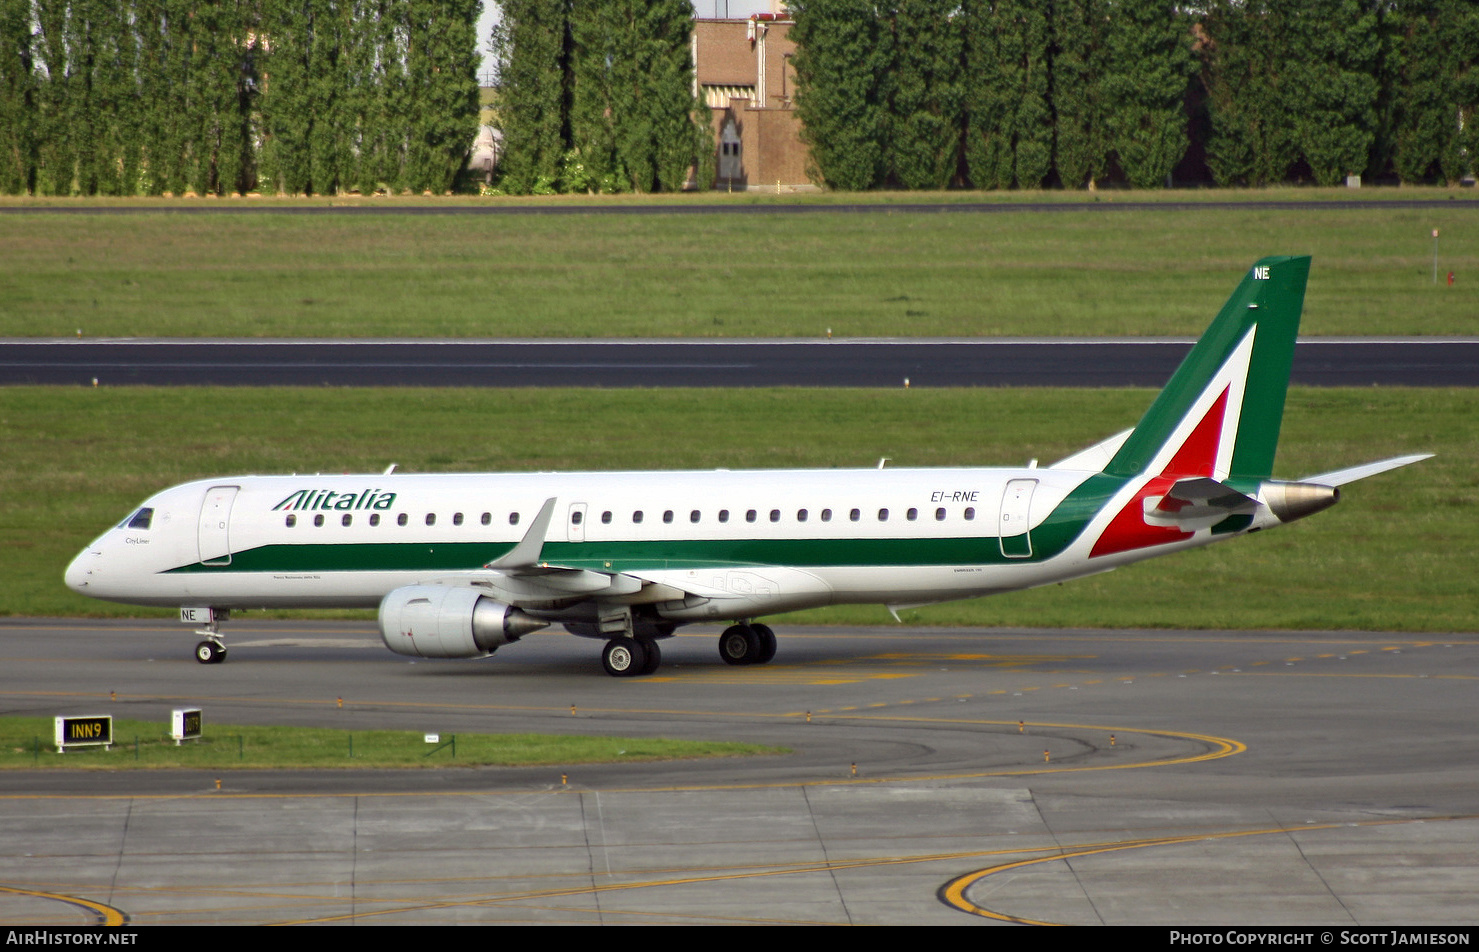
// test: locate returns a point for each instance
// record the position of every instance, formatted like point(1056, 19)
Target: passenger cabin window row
point(401, 519)
point(141, 520)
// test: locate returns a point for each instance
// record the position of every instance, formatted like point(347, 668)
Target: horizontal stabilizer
point(1206, 493)
point(1349, 475)
point(1197, 503)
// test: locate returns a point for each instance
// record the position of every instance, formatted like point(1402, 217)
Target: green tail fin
point(1219, 415)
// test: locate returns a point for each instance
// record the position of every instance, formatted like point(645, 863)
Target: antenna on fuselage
point(882, 460)
point(389, 469)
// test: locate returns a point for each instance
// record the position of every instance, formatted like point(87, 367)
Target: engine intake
point(450, 621)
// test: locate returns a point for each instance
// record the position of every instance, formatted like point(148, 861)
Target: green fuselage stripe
point(617, 555)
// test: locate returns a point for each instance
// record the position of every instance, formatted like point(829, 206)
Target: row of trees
point(126, 97)
point(598, 95)
point(926, 93)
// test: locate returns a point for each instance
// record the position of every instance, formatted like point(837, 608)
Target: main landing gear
point(628, 657)
point(747, 644)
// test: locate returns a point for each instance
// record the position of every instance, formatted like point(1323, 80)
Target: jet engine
point(450, 621)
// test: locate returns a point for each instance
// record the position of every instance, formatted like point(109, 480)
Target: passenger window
point(637, 516)
point(667, 515)
point(431, 518)
point(606, 518)
point(855, 515)
point(347, 519)
point(800, 515)
point(401, 520)
point(912, 514)
point(487, 518)
point(456, 518)
point(775, 515)
point(292, 520)
point(374, 518)
point(693, 516)
point(577, 517)
point(723, 515)
point(749, 515)
point(940, 514)
point(883, 515)
point(513, 518)
point(970, 513)
point(826, 515)
point(318, 520)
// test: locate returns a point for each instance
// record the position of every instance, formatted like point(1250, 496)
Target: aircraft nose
point(79, 575)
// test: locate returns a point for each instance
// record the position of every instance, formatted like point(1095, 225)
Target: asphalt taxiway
point(936, 776)
point(883, 362)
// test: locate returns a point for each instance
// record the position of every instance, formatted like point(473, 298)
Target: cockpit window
point(139, 520)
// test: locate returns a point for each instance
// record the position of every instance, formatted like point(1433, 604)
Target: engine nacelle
point(450, 621)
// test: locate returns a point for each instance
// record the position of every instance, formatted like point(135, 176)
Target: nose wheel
point(210, 652)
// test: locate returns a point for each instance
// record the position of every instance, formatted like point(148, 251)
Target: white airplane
point(461, 565)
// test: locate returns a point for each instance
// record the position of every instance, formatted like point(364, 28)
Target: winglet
point(526, 553)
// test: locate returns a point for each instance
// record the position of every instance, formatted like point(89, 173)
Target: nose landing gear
point(212, 650)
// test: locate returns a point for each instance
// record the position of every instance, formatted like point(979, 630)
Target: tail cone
point(1290, 501)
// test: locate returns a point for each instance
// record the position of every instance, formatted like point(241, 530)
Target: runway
point(1002, 775)
point(996, 362)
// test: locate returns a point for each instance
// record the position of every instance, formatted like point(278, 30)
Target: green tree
point(842, 61)
point(1245, 70)
point(18, 99)
point(1437, 89)
point(1147, 73)
point(441, 75)
point(634, 122)
point(1009, 134)
point(531, 44)
point(1334, 59)
point(57, 136)
point(1080, 136)
point(926, 94)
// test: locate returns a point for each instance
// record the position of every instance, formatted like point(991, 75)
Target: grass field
point(1091, 269)
point(26, 743)
point(1397, 554)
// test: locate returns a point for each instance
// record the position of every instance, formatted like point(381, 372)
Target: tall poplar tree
point(1009, 133)
point(1245, 69)
point(1080, 126)
point(1333, 63)
point(531, 44)
point(18, 99)
point(1437, 94)
point(57, 136)
point(842, 59)
point(1147, 73)
point(926, 94)
point(441, 74)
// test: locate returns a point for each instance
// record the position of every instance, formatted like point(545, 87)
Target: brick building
point(743, 71)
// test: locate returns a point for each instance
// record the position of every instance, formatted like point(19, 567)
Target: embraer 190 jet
point(461, 565)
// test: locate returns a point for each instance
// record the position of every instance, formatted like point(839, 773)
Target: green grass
point(146, 745)
point(1077, 272)
point(1397, 554)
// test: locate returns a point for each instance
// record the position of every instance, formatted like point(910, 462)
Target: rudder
point(1220, 414)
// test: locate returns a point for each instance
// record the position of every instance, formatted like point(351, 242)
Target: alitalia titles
point(328, 499)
